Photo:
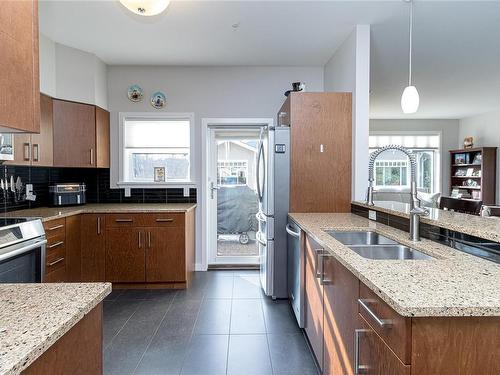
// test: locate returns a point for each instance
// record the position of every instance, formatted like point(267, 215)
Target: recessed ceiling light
point(146, 7)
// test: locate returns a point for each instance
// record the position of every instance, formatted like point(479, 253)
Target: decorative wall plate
point(158, 100)
point(135, 93)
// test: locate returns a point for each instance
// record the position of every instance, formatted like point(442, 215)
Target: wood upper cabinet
point(42, 143)
point(340, 294)
point(313, 324)
point(19, 76)
point(374, 356)
point(74, 134)
point(321, 151)
point(102, 137)
point(125, 255)
point(165, 249)
point(93, 247)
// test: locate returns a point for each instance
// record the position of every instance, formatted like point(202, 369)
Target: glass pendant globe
point(146, 7)
point(410, 100)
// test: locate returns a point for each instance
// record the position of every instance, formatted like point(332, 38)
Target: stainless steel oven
point(22, 250)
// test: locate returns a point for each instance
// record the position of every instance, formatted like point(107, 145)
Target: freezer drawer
point(295, 271)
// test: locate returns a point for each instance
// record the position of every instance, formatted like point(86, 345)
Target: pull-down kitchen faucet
point(415, 210)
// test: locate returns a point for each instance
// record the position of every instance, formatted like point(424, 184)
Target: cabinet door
point(165, 254)
point(102, 137)
point(22, 149)
point(19, 81)
point(340, 297)
point(74, 134)
point(42, 144)
point(374, 356)
point(73, 248)
point(314, 299)
point(125, 255)
point(93, 240)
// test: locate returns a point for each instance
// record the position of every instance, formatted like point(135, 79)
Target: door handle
point(213, 188)
point(139, 239)
point(358, 368)
point(124, 220)
point(380, 322)
point(291, 232)
point(55, 262)
point(149, 240)
point(26, 152)
point(91, 156)
point(55, 227)
point(98, 225)
point(318, 254)
point(56, 244)
point(36, 154)
point(164, 220)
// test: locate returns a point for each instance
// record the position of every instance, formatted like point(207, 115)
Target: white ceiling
point(456, 58)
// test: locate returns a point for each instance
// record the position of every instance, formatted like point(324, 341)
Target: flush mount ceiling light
point(410, 99)
point(146, 7)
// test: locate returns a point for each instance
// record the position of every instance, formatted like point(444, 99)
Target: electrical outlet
point(127, 192)
point(186, 192)
point(372, 215)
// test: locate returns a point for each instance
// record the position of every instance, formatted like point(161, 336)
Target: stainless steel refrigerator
point(273, 188)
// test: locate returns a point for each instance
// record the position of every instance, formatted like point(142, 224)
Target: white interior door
point(231, 167)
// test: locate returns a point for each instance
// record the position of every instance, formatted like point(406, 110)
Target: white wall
point(485, 129)
point(208, 92)
point(349, 70)
point(449, 139)
point(72, 74)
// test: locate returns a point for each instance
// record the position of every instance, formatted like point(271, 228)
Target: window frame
point(161, 116)
point(438, 154)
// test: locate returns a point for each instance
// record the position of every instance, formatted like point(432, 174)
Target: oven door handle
point(22, 250)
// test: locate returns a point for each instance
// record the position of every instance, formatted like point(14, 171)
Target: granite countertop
point(51, 213)
point(452, 284)
point(34, 316)
point(483, 227)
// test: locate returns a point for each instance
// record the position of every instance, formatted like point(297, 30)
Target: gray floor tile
point(181, 317)
point(246, 273)
point(247, 287)
point(115, 293)
point(279, 316)
point(248, 355)
point(116, 314)
point(247, 317)
point(165, 355)
point(214, 317)
point(207, 355)
point(290, 355)
point(220, 287)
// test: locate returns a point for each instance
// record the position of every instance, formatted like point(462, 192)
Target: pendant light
point(146, 7)
point(410, 99)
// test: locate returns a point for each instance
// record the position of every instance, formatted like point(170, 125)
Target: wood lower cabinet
point(340, 297)
point(165, 260)
point(125, 255)
point(374, 357)
point(93, 247)
point(19, 76)
point(313, 324)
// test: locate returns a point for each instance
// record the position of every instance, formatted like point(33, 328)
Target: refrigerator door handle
point(260, 217)
point(291, 232)
point(260, 155)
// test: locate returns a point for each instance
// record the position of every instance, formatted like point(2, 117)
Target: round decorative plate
point(158, 100)
point(135, 93)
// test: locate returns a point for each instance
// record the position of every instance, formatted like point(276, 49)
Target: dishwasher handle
point(291, 232)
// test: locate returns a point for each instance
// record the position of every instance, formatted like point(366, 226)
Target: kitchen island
point(51, 328)
point(433, 316)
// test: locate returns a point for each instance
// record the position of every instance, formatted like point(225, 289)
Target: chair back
point(460, 205)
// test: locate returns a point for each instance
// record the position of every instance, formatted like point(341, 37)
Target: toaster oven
point(67, 194)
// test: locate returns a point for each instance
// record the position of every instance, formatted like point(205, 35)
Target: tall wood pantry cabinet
point(321, 150)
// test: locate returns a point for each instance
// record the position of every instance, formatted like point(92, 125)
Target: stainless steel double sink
point(372, 245)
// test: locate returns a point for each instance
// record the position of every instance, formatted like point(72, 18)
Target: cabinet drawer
point(55, 228)
point(56, 251)
point(57, 275)
point(57, 239)
point(393, 328)
point(144, 220)
point(373, 356)
point(55, 262)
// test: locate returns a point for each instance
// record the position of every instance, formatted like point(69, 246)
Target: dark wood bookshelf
point(486, 182)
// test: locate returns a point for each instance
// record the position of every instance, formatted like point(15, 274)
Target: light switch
point(372, 215)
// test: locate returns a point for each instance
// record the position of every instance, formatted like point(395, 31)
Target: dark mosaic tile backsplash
point(96, 180)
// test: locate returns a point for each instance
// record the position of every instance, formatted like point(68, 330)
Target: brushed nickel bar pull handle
point(322, 279)
point(358, 369)
point(380, 322)
point(124, 220)
point(55, 262)
point(139, 239)
point(56, 244)
point(36, 154)
point(318, 254)
point(26, 155)
point(91, 156)
point(56, 227)
point(98, 225)
point(149, 240)
point(164, 220)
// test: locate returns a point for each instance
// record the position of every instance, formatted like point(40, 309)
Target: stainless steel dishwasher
point(296, 271)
